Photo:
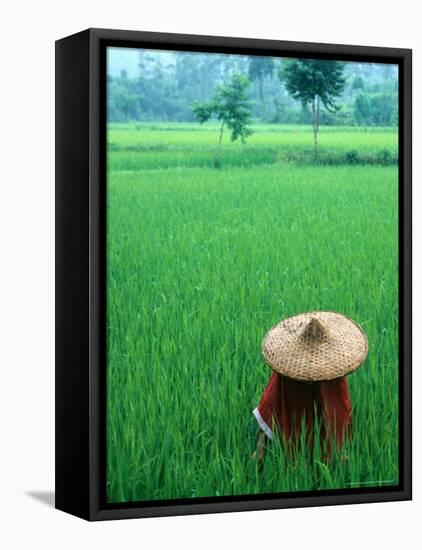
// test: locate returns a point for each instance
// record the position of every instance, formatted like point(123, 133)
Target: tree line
point(168, 86)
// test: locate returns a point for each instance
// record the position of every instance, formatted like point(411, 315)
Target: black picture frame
point(80, 272)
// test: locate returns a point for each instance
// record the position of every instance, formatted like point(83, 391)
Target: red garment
point(286, 402)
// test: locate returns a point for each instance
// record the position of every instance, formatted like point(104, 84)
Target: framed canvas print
point(233, 322)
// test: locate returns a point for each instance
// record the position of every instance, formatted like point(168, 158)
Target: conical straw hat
point(320, 345)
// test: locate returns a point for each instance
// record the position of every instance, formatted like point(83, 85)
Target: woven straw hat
point(320, 345)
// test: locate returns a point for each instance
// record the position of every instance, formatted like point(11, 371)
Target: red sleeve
point(267, 407)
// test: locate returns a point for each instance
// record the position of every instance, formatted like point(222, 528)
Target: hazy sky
point(127, 59)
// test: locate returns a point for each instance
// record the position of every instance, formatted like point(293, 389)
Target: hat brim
point(342, 350)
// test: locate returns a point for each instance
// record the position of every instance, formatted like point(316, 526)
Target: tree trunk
point(314, 128)
point(315, 123)
point(217, 157)
point(261, 96)
point(221, 133)
point(317, 115)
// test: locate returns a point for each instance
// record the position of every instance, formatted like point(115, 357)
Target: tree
point(379, 109)
point(362, 110)
point(231, 106)
point(313, 82)
point(358, 83)
point(259, 69)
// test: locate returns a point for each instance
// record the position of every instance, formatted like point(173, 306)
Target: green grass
point(201, 263)
point(151, 146)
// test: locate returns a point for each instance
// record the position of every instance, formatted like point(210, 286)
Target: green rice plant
point(182, 145)
point(200, 264)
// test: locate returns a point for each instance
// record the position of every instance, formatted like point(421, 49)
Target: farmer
point(310, 355)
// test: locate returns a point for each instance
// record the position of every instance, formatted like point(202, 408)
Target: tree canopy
point(313, 81)
point(231, 106)
point(306, 79)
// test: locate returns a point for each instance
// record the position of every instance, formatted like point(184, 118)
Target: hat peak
point(314, 330)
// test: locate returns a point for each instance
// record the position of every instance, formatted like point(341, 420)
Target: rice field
point(201, 262)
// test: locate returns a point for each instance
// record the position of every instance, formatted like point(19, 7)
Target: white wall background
point(27, 272)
